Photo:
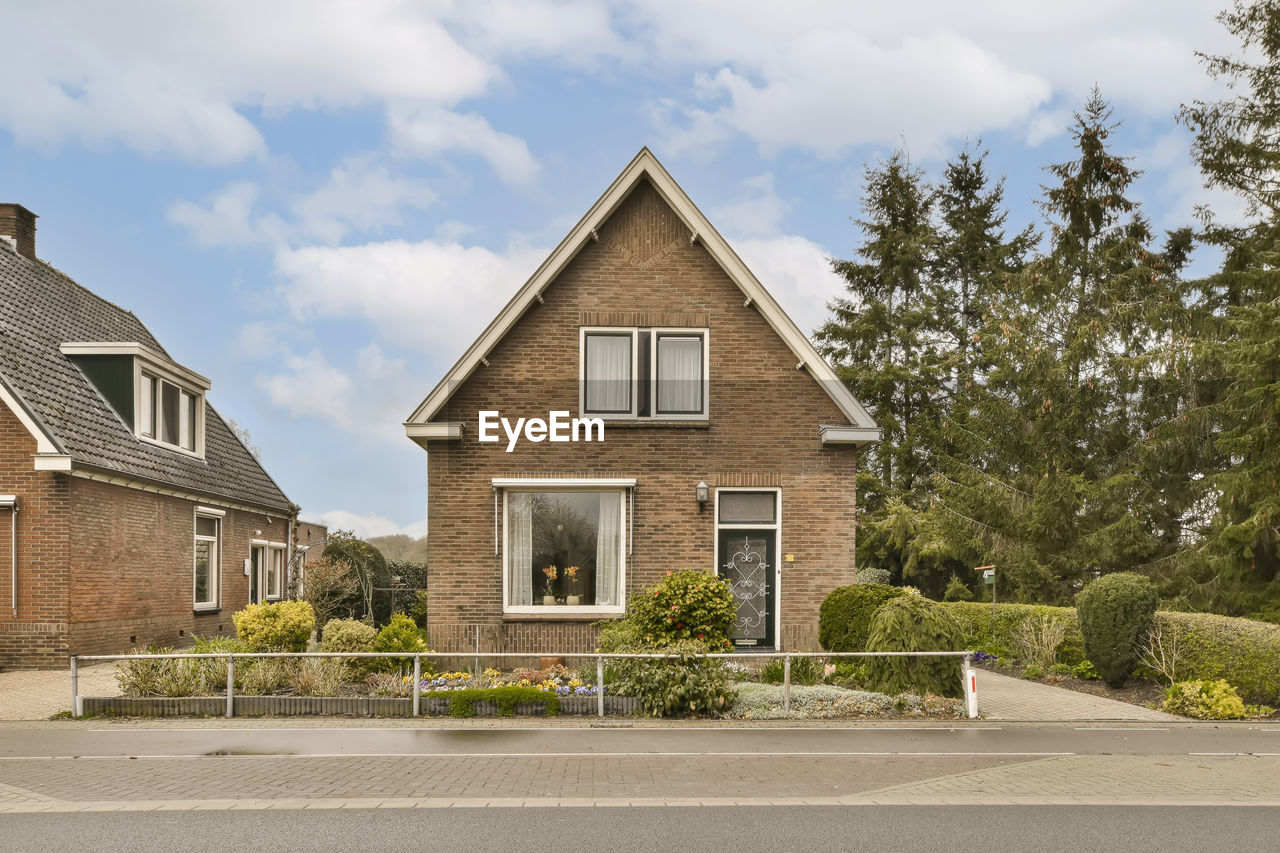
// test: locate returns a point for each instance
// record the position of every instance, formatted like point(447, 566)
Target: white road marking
point(1116, 729)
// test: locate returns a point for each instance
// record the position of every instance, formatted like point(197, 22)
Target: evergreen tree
point(1237, 144)
point(1042, 479)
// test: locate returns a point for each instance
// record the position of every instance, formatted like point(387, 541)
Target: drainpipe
point(10, 502)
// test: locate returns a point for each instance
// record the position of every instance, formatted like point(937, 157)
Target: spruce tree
point(1237, 144)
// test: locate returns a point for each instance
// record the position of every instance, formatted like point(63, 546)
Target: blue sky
point(319, 205)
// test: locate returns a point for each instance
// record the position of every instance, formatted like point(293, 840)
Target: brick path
point(39, 694)
point(1003, 698)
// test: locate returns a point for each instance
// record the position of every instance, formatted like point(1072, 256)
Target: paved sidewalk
point(40, 693)
point(1003, 698)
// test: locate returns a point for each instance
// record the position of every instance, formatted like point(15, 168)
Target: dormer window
point(160, 400)
point(637, 374)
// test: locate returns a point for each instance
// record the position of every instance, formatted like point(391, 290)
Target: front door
point(748, 561)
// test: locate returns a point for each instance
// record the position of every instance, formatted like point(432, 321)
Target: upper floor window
point(168, 413)
point(644, 373)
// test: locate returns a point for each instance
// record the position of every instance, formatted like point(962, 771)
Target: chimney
point(19, 225)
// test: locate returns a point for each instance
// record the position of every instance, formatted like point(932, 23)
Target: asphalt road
point(1025, 740)
point(881, 828)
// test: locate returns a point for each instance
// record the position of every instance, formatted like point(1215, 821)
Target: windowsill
point(561, 615)
point(659, 423)
point(204, 611)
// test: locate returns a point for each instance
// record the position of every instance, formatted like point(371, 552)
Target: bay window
point(564, 550)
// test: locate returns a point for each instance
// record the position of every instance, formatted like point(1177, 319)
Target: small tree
point(330, 585)
point(911, 623)
point(369, 568)
point(1116, 611)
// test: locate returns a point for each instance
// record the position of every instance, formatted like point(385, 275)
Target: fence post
point(231, 686)
point(970, 688)
point(417, 683)
point(599, 686)
point(75, 687)
point(786, 683)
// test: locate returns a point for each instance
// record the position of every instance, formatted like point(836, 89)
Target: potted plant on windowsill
point(571, 574)
point(548, 593)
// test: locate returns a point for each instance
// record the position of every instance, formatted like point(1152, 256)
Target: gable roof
point(861, 427)
point(40, 310)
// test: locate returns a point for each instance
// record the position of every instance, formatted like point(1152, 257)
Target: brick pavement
point(38, 694)
point(402, 782)
point(1003, 698)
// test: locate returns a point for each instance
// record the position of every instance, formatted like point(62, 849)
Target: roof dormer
point(161, 401)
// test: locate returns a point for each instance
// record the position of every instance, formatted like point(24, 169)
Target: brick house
point(130, 513)
point(729, 444)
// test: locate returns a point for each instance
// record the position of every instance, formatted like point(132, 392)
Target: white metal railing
point(967, 672)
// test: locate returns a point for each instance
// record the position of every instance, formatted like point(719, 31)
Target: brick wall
point(37, 636)
point(132, 556)
point(763, 430)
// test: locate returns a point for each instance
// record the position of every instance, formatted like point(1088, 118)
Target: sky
point(319, 205)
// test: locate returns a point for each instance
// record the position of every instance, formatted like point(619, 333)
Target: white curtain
point(608, 373)
point(520, 549)
point(608, 546)
point(679, 374)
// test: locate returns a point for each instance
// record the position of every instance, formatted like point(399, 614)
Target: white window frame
point(215, 570)
point(268, 548)
point(655, 332)
point(776, 527)
point(161, 375)
point(586, 485)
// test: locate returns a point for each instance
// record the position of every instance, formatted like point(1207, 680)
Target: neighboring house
point(130, 513)
point(729, 444)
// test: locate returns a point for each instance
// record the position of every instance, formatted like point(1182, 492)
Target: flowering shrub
point(282, 626)
point(1204, 700)
point(684, 605)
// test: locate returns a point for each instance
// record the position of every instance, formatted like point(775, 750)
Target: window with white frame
point(564, 549)
point(644, 373)
point(169, 413)
point(208, 557)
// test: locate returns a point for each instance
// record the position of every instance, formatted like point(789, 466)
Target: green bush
point(1062, 669)
point(684, 605)
point(995, 633)
point(1115, 612)
point(213, 672)
point(1032, 672)
point(1204, 700)
point(347, 635)
point(911, 623)
point(282, 626)
point(869, 574)
point(844, 620)
point(462, 703)
point(419, 609)
point(682, 686)
point(1085, 671)
point(1244, 652)
point(400, 635)
point(957, 590)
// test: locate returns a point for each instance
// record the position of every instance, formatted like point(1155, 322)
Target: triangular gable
point(861, 428)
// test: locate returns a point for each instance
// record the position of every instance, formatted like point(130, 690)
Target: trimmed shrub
point(462, 703)
point(679, 687)
point(282, 626)
point(684, 605)
point(844, 620)
point(1244, 652)
point(1204, 700)
point(911, 623)
point(1115, 613)
point(994, 634)
point(347, 635)
point(400, 635)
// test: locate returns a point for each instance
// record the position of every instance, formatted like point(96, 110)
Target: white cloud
point(359, 195)
point(172, 78)
point(431, 297)
point(370, 398)
point(430, 131)
point(757, 212)
point(796, 271)
point(369, 525)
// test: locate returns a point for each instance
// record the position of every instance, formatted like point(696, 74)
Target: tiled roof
point(40, 309)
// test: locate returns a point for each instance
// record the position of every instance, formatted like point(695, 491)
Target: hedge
point(1244, 652)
